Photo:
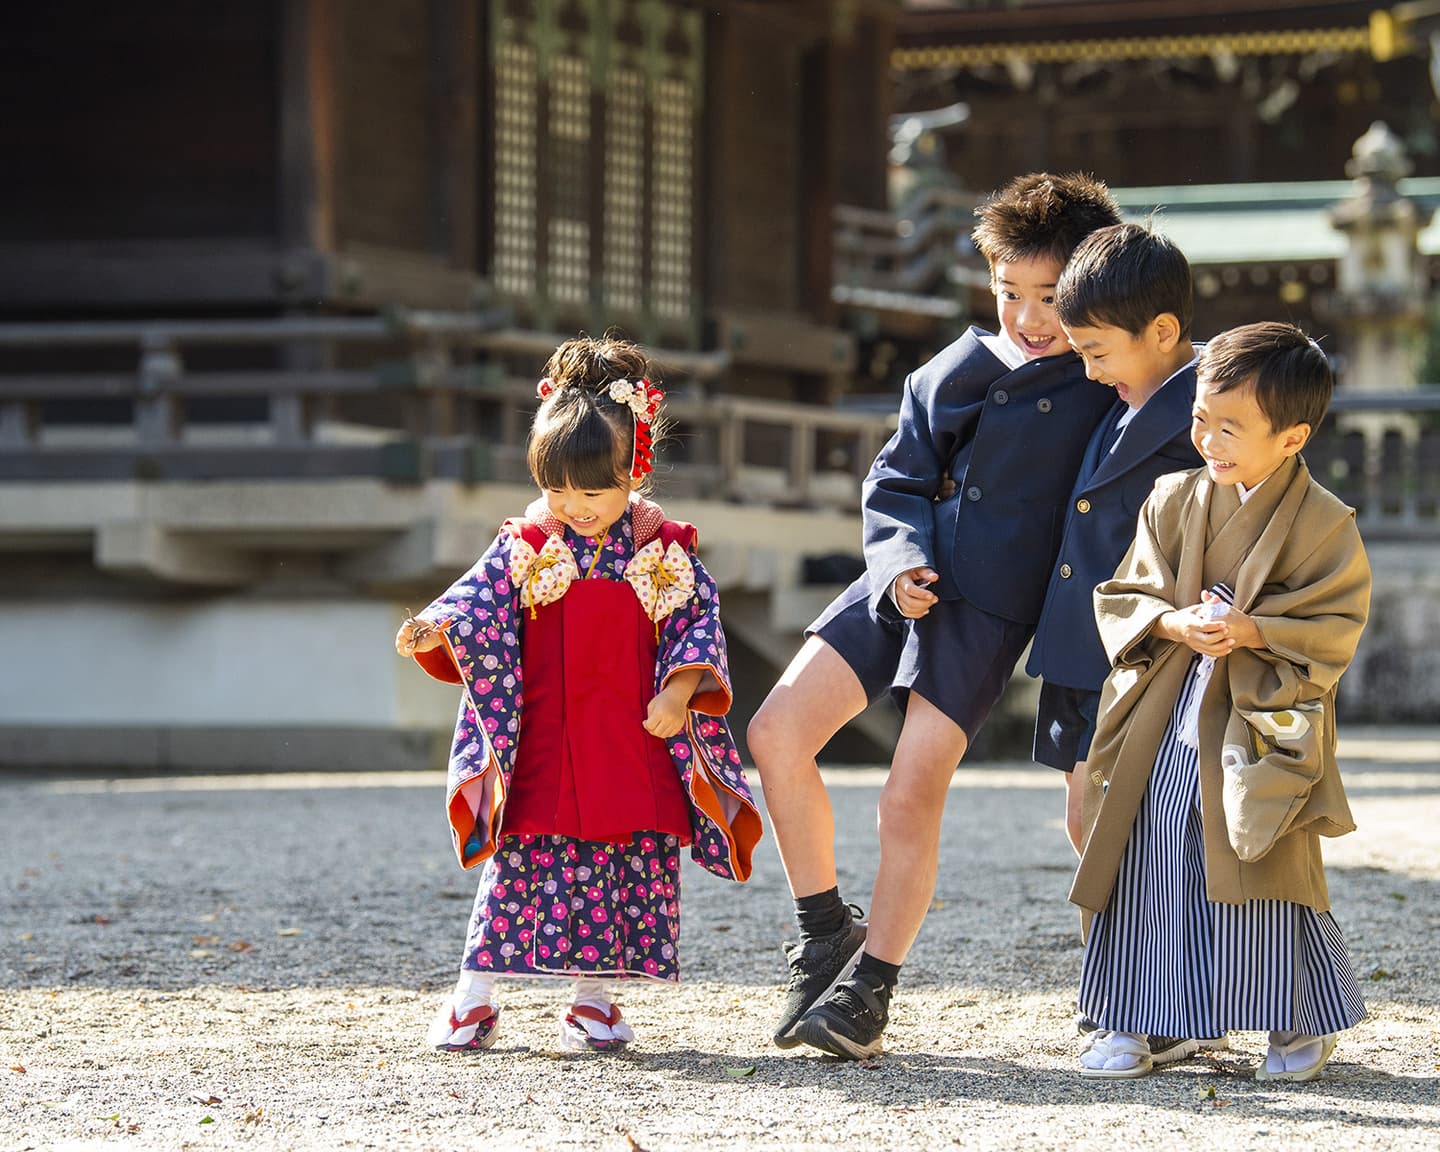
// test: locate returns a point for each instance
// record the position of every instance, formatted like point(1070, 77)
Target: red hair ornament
point(643, 399)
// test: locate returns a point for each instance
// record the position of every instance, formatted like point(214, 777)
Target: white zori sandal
point(468, 1019)
point(1115, 1056)
point(592, 1023)
point(1295, 1056)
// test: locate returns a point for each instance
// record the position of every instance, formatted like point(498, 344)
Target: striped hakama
point(1163, 960)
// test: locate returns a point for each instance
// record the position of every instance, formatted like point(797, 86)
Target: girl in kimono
point(1229, 624)
point(591, 744)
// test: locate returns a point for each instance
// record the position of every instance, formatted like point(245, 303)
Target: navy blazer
point(1100, 526)
point(1013, 440)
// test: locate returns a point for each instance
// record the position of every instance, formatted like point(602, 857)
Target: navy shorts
point(960, 657)
point(1064, 725)
point(870, 646)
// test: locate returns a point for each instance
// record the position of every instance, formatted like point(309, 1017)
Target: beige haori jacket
point(1269, 783)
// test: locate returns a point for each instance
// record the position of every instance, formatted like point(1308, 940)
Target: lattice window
point(515, 167)
point(568, 262)
point(624, 189)
point(673, 182)
point(588, 187)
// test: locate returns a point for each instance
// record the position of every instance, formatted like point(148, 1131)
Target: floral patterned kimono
point(576, 812)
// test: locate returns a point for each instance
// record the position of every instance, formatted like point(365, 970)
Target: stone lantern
point(1381, 292)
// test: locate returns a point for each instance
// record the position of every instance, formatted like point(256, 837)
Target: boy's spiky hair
point(1042, 215)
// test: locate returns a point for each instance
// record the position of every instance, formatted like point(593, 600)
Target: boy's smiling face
point(1135, 365)
point(1025, 299)
point(1235, 438)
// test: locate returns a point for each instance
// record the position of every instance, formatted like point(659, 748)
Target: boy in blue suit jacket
point(962, 516)
point(1125, 303)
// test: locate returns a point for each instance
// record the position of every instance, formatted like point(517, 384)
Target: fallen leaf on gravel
point(241, 946)
point(201, 1098)
point(207, 1120)
point(1381, 974)
point(747, 1070)
point(102, 919)
point(631, 1143)
point(18, 1068)
point(254, 1117)
point(289, 931)
point(200, 954)
point(1207, 1091)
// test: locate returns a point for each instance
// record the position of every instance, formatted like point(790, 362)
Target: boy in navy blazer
point(1125, 303)
point(962, 516)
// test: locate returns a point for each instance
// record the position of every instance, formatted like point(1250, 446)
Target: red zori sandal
point(587, 1028)
point(471, 1031)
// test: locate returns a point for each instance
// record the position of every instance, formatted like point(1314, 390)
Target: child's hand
point(1194, 628)
point(1242, 630)
point(912, 596)
point(666, 715)
point(418, 636)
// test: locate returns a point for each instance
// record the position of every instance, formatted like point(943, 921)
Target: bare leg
point(1074, 794)
point(817, 696)
point(911, 804)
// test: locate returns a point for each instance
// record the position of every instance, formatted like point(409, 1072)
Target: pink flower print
point(562, 944)
point(582, 929)
point(599, 915)
point(590, 953)
point(691, 652)
point(526, 935)
point(647, 845)
point(492, 632)
point(501, 743)
point(646, 941)
point(679, 750)
point(713, 850)
point(502, 614)
point(484, 959)
point(735, 757)
point(544, 952)
point(557, 911)
point(497, 702)
point(648, 919)
point(502, 588)
point(491, 724)
point(483, 686)
point(652, 966)
point(461, 651)
point(708, 728)
point(500, 924)
point(498, 891)
point(545, 859)
point(568, 874)
point(528, 913)
point(601, 857)
point(520, 884)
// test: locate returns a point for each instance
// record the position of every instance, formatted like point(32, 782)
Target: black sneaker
point(816, 966)
point(1170, 1049)
point(848, 1023)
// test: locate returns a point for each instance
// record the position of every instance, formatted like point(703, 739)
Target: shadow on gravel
point(919, 1080)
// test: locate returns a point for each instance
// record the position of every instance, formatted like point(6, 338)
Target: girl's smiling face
point(1234, 436)
point(589, 511)
point(1025, 299)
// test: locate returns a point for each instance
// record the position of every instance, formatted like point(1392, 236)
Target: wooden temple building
point(276, 278)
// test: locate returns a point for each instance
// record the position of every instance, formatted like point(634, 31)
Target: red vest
point(585, 766)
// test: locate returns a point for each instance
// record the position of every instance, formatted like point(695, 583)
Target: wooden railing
point(417, 396)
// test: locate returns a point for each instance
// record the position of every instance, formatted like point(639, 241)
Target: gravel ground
point(218, 962)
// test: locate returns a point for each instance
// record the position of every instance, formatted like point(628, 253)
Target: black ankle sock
point(821, 914)
point(877, 973)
